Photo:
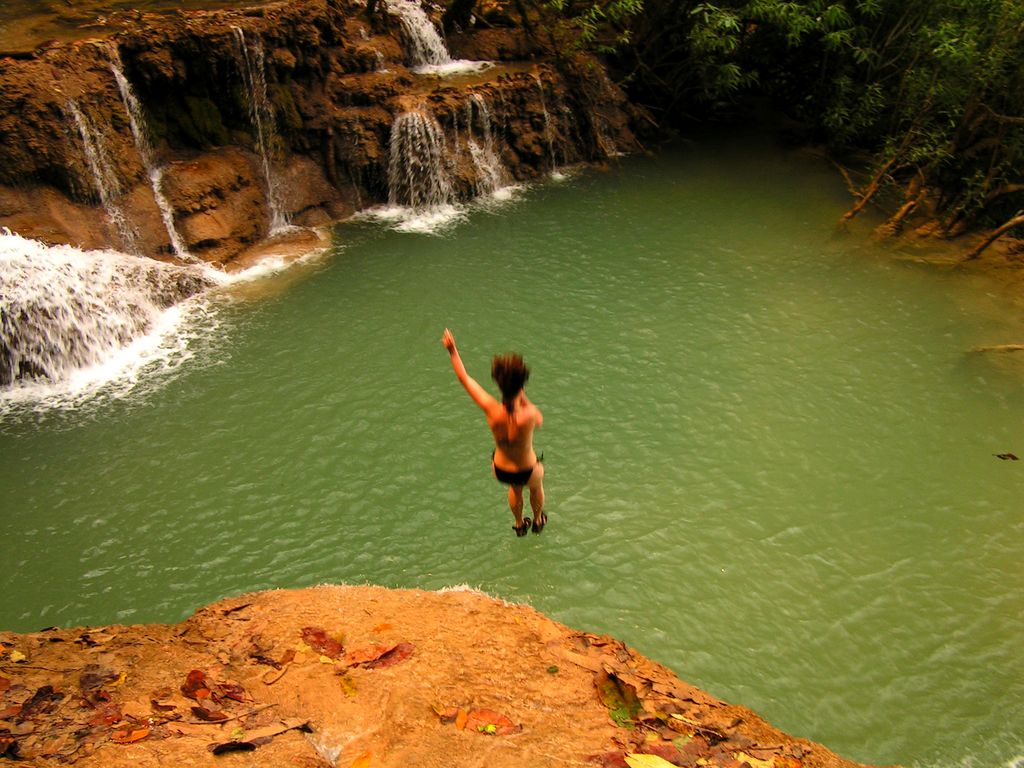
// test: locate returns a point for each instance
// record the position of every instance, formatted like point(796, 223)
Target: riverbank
point(370, 677)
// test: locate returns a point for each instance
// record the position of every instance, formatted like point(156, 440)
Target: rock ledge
point(369, 677)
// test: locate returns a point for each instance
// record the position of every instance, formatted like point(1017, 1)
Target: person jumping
point(512, 421)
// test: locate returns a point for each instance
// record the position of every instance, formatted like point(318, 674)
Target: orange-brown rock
point(365, 676)
point(335, 82)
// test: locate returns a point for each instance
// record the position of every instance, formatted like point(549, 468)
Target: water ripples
point(769, 464)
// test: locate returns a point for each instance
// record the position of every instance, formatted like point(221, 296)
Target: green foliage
point(934, 88)
point(601, 26)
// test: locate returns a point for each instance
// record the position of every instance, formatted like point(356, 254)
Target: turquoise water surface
point(770, 452)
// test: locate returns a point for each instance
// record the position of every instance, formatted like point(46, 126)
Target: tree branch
point(1016, 221)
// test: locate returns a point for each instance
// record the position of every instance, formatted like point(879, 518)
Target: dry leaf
point(127, 736)
point(44, 700)
point(324, 645)
point(105, 714)
point(232, 691)
point(347, 685)
point(647, 761)
point(195, 686)
point(609, 760)
point(398, 654)
point(209, 716)
point(753, 762)
point(94, 677)
point(786, 761)
point(619, 696)
point(363, 761)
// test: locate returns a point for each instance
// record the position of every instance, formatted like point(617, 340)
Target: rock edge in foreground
point(370, 677)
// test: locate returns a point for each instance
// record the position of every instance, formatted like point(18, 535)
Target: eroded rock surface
point(331, 83)
point(368, 677)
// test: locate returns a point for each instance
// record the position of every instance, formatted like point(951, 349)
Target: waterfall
point(424, 45)
point(417, 168)
point(490, 172)
point(262, 116)
point(104, 176)
point(421, 166)
point(145, 149)
point(63, 310)
point(548, 133)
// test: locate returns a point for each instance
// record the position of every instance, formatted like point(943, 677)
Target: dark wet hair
point(510, 374)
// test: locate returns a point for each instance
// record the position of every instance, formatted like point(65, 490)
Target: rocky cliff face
point(201, 133)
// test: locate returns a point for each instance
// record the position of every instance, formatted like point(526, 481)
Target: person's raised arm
point(480, 395)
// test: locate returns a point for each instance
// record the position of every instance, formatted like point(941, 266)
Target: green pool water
point(770, 454)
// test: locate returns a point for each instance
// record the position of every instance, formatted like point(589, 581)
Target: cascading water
point(105, 178)
point(490, 172)
point(137, 120)
point(424, 45)
point(548, 133)
point(418, 174)
point(262, 116)
point(63, 310)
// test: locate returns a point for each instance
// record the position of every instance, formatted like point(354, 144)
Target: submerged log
point(1000, 348)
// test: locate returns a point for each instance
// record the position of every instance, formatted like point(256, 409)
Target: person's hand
point(448, 340)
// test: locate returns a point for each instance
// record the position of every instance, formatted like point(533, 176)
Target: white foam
point(92, 321)
point(453, 67)
point(429, 221)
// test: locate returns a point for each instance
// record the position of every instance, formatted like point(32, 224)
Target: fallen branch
point(252, 711)
point(850, 185)
point(767, 748)
point(1016, 221)
point(259, 737)
point(870, 190)
point(891, 227)
point(702, 729)
point(18, 665)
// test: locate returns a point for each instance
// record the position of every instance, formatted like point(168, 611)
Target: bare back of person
point(512, 421)
point(513, 433)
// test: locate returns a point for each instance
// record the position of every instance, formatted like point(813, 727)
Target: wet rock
point(287, 105)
